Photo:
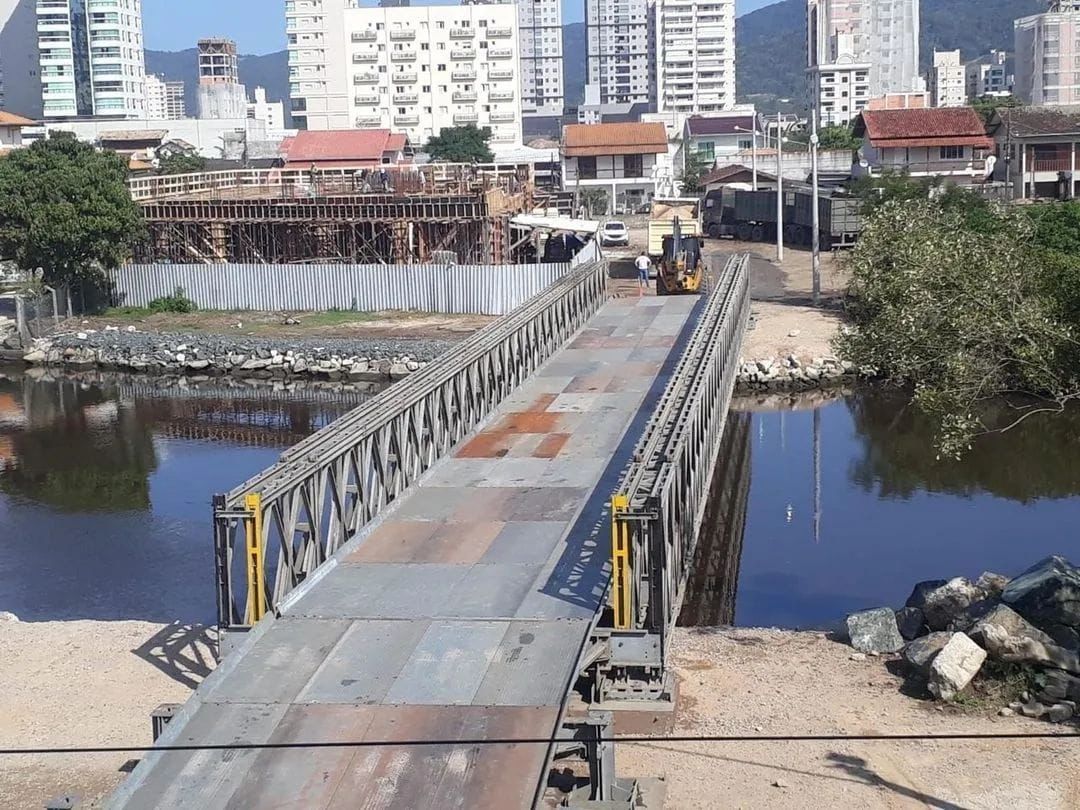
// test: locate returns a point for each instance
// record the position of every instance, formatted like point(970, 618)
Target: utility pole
point(779, 191)
point(815, 237)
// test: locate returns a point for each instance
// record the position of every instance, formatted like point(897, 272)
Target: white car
point(614, 233)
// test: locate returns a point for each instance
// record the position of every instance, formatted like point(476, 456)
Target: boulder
point(874, 631)
point(953, 668)
point(35, 356)
point(944, 604)
point(398, 371)
point(920, 653)
point(1006, 636)
point(1048, 593)
point(921, 589)
point(911, 622)
point(991, 584)
point(1058, 686)
point(967, 618)
point(255, 364)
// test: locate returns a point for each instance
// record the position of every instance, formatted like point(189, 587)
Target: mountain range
point(770, 50)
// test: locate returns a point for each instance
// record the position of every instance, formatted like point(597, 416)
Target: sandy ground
point(86, 683)
point(771, 682)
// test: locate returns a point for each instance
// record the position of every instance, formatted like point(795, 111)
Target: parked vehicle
point(750, 216)
point(682, 267)
point(662, 219)
point(613, 233)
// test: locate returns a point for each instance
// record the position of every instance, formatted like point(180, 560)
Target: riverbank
point(87, 683)
point(756, 681)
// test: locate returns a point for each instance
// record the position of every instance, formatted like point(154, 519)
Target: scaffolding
point(387, 215)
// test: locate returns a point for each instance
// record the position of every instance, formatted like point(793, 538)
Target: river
point(821, 505)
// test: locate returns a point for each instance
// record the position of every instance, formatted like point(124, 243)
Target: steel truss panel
point(334, 483)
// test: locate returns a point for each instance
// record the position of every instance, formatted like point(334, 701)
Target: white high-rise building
point(1048, 55)
point(695, 56)
point(164, 100)
point(270, 113)
point(542, 82)
point(947, 80)
point(20, 84)
point(859, 51)
point(621, 51)
point(91, 58)
point(990, 75)
point(220, 93)
point(414, 69)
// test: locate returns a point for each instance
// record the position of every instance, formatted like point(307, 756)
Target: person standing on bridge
point(642, 263)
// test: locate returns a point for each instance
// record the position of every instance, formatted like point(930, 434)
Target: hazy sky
point(258, 26)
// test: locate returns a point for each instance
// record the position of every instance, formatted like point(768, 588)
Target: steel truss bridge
point(446, 563)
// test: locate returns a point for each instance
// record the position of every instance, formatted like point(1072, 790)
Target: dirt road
point(771, 682)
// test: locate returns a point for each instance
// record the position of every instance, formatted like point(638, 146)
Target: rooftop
point(342, 146)
point(935, 126)
point(1031, 121)
point(584, 140)
point(723, 125)
point(8, 119)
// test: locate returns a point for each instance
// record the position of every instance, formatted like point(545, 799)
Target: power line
point(459, 743)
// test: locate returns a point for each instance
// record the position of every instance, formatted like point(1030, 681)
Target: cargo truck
point(750, 216)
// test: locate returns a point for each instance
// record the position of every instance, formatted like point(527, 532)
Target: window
point(745, 144)
point(632, 166)
point(586, 168)
point(952, 153)
point(706, 150)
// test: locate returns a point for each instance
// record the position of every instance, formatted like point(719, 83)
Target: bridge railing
point(274, 530)
point(659, 505)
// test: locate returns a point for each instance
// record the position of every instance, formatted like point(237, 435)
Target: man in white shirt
point(642, 264)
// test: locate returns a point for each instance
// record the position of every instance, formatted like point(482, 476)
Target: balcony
point(406, 98)
point(399, 34)
point(500, 32)
point(501, 95)
point(403, 77)
point(463, 75)
point(365, 57)
point(364, 36)
point(462, 33)
point(402, 56)
point(367, 98)
point(365, 78)
point(463, 53)
point(406, 120)
point(501, 117)
point(1054, 165)
point(464, 95)
point(466, 118)
point(498, 74)
point(500, 53)
point(369, 121)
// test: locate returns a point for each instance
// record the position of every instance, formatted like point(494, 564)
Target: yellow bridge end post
point(621, 596)
point(256, 572)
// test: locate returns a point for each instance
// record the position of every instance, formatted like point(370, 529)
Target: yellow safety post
point(256, 574)
point(621, 597)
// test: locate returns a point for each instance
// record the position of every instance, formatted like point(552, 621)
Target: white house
point(946, 142)
point(11, 127)
point(627, 161)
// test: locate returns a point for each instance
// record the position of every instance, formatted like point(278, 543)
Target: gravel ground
point(772, 682)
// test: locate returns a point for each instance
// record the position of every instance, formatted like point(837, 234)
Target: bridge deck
point(460, 616)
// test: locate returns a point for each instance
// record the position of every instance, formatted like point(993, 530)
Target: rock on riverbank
point(370, 360)
point(794, 372)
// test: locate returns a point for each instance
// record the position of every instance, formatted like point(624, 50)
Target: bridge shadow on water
point(581, 575)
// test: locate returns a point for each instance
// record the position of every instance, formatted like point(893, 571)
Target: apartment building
point(620, 50)
point(91, 58)
point(947, 80)
point(695, 56)
point(220, 93)
point(270, 113)
point(542, 80)
point(20, 86)
point(164, 100)
point(859, 50)
point(1048, 55)
point(990, 75)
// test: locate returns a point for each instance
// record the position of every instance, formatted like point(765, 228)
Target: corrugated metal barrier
point(447, 289)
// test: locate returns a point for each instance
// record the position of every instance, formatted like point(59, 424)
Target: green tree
point(468, 144)
point(182, 163)
point(963, 304)
point(694, 171)
point(837, 136)
point(594, 201)
point(987, 105)
point(65, 210)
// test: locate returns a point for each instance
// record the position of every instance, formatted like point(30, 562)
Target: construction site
point(386, 215)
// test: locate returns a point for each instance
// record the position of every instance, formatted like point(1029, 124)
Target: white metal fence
point(446, 289)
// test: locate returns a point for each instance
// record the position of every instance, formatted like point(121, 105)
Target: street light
point(753, 148)
point(779, 188)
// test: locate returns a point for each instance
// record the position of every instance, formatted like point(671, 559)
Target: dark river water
point(105, 488)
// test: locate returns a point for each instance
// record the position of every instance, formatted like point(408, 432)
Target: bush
point(177, 302)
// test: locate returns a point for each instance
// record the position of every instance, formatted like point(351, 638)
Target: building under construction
point(387, 215)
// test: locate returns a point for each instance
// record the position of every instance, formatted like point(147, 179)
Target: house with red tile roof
point(625, 160)
point(946, 142)
point(11, 127)
point(1039, 149)
point(346, 149)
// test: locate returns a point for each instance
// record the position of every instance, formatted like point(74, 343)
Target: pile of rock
point(9, 333)
point(949, 628)
point(793, 372)
point(215, 355)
